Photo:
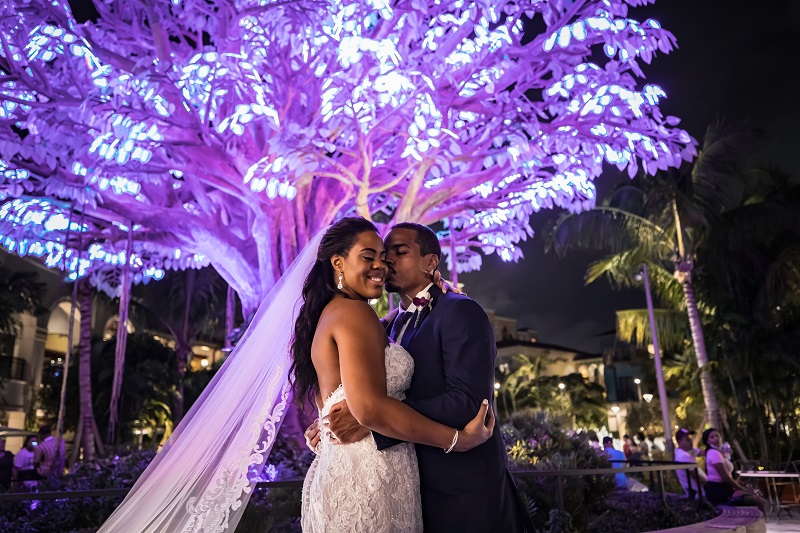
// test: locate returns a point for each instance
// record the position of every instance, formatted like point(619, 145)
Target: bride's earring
point(341, 276)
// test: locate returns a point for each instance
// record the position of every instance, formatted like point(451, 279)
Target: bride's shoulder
point(340, 308)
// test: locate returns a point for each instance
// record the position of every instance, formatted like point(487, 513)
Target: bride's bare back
point(352, 325)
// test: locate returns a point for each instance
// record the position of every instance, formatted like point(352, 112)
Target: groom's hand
point(343, 425)
point(312, 437)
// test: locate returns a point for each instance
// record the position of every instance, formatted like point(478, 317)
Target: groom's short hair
point(426, 238)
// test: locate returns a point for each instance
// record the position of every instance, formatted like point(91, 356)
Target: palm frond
point(621, 269)
point(717, 172)
point(667, 290)
point(757, 223)
point(607, 229)
point(633, 326)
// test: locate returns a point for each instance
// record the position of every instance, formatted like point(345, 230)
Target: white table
point(771, 478)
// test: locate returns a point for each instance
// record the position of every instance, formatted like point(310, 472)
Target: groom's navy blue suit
point(454, 352)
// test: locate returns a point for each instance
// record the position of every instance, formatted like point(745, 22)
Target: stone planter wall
point(731, 520)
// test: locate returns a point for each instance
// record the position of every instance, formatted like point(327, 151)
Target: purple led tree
point(229, 132)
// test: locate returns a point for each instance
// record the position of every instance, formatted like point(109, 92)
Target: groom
point(453, 346)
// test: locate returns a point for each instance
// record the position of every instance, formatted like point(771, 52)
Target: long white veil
point(202, 479)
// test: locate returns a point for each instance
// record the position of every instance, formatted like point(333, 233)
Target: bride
point(341, 351)
point(202, 479)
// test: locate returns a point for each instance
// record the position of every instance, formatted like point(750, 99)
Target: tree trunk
point(122, 341)
point(76, 444)
point(757, 406)
point(183, 347)
point(230, 315)
point(98, 440)
point(85, 372)
point(706, 381)
point(62, 404)
point(183, 351)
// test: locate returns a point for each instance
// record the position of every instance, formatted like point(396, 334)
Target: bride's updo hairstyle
point(319, 289)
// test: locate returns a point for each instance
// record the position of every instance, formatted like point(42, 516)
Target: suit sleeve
point(468, 353)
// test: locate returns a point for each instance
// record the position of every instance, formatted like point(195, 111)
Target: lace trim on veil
point(211, 513)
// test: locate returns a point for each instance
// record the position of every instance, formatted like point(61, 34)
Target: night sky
point(736, 60)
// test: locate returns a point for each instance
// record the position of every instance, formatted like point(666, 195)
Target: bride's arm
point(361, 342)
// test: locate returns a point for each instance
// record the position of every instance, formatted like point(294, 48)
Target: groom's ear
point(431, 263)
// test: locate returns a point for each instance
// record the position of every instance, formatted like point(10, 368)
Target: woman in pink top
point(720, 487)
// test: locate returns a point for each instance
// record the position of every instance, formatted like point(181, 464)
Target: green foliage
point(186, 303)
point(79, 513)
point(195, 382)
point(20, 292)
point(381, 305)
point(735, 227)
point(560, 522)
point(633, 326)
point(579, 402)
point(634, 512)
point(646, 415)
point(538, 441)
point(148, 386)
point(274, 510)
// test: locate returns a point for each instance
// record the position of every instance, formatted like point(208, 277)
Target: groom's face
point(407, 266)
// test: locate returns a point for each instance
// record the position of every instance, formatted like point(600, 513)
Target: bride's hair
point(319, 289)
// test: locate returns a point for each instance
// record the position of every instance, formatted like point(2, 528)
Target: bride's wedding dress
point(355, 487)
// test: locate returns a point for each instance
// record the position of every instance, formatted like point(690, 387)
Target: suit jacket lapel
point(390, 318)
point(416, 321)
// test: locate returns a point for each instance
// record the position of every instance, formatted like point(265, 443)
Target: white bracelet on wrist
point(452, 444)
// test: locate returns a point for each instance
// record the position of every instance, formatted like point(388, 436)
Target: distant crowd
point(40, 458)
point(717, 483)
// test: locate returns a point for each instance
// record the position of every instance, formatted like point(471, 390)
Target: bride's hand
point(439, 281)
point(478, 430)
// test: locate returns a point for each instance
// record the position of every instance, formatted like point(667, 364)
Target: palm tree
point(754, 252)
point(186, 304)
point(662, 221)
point(87, 434)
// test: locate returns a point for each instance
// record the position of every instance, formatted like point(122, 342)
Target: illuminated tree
point(229, 132)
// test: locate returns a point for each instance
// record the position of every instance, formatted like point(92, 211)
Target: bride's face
point(364, 267)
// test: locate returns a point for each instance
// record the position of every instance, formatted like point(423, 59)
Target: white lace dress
point(355, 487)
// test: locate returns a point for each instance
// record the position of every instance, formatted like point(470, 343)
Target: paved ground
point(786, 525)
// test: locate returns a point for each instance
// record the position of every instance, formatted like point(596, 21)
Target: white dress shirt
point(411, 309)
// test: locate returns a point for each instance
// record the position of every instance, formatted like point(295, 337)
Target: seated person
point(691, 480)
point(721, 488)
point(24, 464)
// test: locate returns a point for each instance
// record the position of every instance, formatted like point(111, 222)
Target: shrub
point(537, 441)
point(634, 512)
point(274, 510)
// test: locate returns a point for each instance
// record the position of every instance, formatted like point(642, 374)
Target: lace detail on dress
point(355, 487)
point(211, 513)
